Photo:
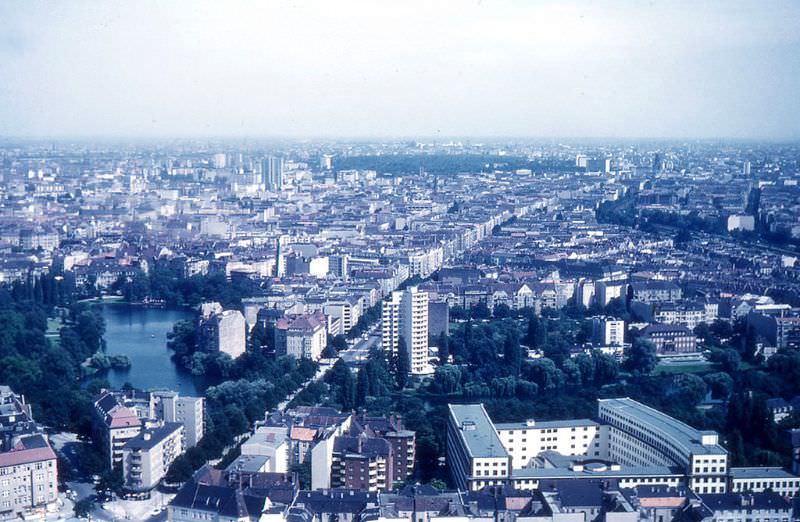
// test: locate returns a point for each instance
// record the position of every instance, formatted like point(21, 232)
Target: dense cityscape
point(400, 330)
point(399, 261)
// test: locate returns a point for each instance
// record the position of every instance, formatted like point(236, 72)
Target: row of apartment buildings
point(342, 449)
point(142, 433)
point(243, 496)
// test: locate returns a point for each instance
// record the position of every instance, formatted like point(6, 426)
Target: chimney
point(146, 435)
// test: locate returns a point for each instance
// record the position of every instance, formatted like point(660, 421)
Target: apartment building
point(28, 477)
point(362, 463)
point(655, 291)
point(405, 315)
point(272, 443)
point(28, 465)
point(189, 411)
point(781, 332)
point(347, 310)
point(223, 331)
point(146, 458)
point(114, 425)
point(608, 331)
point(302, 336)
point(685, 314)
point(233, 496)
point(401, 440)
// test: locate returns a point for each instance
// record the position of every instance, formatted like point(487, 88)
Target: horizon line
point(400, 137)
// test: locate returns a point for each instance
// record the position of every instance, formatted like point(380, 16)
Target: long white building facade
point(628, 442)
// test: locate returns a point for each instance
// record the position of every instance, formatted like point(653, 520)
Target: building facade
point(146, 458)
point(629, 443)
point(405, 315)
point(225, 332)
point(28, 465)
point(189, 411)
point(302, 337)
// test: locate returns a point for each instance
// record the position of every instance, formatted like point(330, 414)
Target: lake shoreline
point(140, 332)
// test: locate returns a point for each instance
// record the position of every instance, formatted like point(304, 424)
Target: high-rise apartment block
point(405, 315)
point(272, 173)
point(189, 411)
point(608, 331)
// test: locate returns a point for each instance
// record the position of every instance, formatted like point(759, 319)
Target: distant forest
point(447, 164)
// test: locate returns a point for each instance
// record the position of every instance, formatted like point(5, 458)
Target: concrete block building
point(224, 331)
point(629, 443)
point(146, 458)
point(405, 315)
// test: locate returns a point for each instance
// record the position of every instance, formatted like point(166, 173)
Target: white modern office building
point(629, 442)
point(475, 454)
point(643, 436)
point(526, 440)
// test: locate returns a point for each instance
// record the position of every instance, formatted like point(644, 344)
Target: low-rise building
point(761, 479)
point(271, 442)
point(233, 496)
point(671, 339)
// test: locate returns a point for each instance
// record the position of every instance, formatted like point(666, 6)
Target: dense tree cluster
point(447, 164)
point(47, 370)
point(166, 283)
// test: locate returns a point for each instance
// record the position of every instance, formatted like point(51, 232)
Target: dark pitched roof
point(736, 501)
point(336, 500)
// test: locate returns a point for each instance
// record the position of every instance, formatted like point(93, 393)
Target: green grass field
point(693, 367)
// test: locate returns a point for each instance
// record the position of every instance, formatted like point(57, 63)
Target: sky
point(235, 68)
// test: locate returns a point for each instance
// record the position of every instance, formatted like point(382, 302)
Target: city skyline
point(492, 69)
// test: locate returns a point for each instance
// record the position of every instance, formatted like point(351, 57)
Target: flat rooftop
point(541, 425)
point(766, 472)
point(680, 434)
point(624, 472)
point(477, 431)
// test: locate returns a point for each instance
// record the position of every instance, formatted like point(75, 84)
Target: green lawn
point(693, 367)
point(54, 325)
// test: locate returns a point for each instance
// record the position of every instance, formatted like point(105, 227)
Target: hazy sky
point(400, 68)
